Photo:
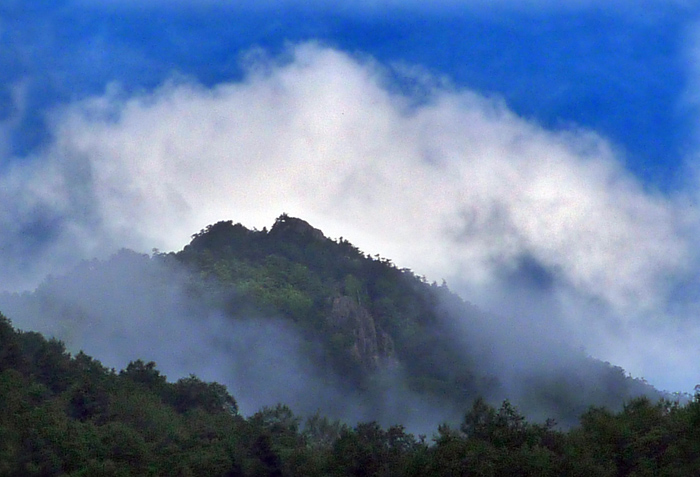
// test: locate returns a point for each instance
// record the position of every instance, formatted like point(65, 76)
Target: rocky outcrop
point(371, 346)
point(292, 226)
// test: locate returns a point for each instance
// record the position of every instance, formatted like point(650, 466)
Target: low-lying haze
point(132, 306)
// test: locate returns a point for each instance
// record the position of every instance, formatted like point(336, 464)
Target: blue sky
point(619, 71)
point(539, 150)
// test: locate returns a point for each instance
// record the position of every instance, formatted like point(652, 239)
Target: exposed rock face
point(296, 227)
point(372, 347)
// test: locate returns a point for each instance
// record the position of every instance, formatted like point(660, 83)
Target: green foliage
point(293, 271)
point(321, 433)
point(369, 450)
point(85, 420)
point(504, 427)
point(355, 314)
point(191, 393)
point(145, 374)
point(64, 415)
point(74, 417)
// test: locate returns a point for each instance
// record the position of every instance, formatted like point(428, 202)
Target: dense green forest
point(70, 416)
point(367, 327)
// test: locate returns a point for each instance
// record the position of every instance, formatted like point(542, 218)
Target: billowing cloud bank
point(443, 181)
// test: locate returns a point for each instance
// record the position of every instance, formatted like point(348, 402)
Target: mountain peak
point(286, 225)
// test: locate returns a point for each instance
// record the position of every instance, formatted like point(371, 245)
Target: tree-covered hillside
point(371, 317)
point(71, 416)
point(378, 338)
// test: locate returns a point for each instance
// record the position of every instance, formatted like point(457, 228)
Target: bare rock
point(372, 347)
point(292, 226)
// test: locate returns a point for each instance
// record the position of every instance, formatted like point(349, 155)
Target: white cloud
point(456, 186)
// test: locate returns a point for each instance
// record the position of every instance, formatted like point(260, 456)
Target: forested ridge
point(65, 415)
point(365, 324)
point(370, 315)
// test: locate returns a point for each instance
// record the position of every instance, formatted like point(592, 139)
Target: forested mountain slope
point(372, 317)
point(66, 415)
point(290, 315)
point(70, 416)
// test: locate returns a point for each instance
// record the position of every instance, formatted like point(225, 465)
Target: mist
point(132, 306)
point(544, 227)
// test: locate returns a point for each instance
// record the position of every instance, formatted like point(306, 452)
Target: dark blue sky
point(620, 72)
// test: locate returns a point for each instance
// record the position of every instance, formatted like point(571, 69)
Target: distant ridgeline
point(374, 319)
